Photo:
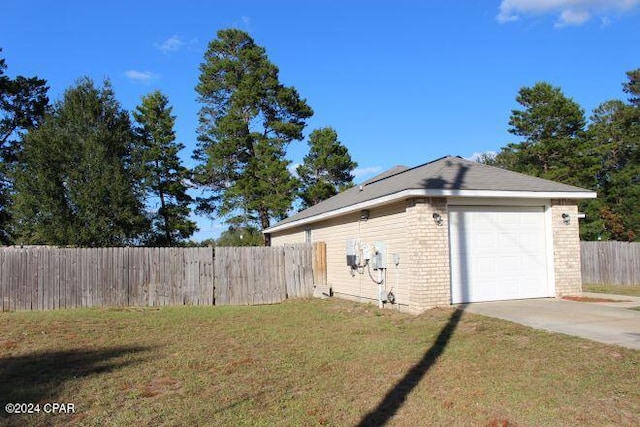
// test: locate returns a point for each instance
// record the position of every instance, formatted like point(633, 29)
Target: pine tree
point(74, 181)
point(614, 141)
point(551, 125)
point(327, 169)
point(247, 120)
point(163, 175)
point(23, 102)
point(604, 158)
point(632, 86)
point(240, 236)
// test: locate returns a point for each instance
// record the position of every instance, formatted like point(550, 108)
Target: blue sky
point(402, 82)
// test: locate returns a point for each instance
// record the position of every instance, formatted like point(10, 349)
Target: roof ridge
point(521, 173)
point(404, 171)
point(381, 175)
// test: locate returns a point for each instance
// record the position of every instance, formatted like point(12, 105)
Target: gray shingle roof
point(446, 173)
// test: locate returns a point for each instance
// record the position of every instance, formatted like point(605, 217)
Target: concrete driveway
point(610, 323)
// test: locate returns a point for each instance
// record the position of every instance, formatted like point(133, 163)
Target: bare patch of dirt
point(8, 344)
point(590, 299)
point(161, 386)
point(500, 422)
point(520, 341)
point(236, 365)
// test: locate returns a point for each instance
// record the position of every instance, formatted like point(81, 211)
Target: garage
point(447, 231)
point(498, 253)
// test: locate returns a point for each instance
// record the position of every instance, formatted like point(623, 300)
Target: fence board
point(160, 277)
point(153, 277)
point(319, 264)
point(101, 279)
point(134, 279)
point(49, 275)
point(206, 276)
point(3, 269)
point(613, 263)
point(58, 260)
point(34, 263)
point(6, 281)
point(279, 274)
point(6, 277)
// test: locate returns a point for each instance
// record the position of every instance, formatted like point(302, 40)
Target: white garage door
point(498, 253)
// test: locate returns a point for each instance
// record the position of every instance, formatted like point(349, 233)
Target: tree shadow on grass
point(397, 396)
point(39, 377)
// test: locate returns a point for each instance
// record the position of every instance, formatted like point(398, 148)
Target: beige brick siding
point(429, 274)
point(422, 278)
point(566, 247)
point(387, 224)
point(291, 236)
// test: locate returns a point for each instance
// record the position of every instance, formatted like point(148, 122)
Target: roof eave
point(406, 194)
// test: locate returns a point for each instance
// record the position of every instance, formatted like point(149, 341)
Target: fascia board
point(406, 194)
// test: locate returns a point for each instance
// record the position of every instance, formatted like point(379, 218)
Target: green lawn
point(632, 290)
point(307, 363)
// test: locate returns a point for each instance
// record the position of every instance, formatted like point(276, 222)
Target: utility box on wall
point(352, 251)
point(379, 254)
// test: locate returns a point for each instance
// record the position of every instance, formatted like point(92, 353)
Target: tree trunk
point(165, 215)
point(264, 223)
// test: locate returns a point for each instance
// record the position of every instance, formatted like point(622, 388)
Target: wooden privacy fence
point(42, 278)
point(262, 275)
point(613, 263)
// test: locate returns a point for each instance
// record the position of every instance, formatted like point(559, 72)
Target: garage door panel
point(497, 253)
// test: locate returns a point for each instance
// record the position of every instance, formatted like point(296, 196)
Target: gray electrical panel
point(351, 249)
point(379, 255)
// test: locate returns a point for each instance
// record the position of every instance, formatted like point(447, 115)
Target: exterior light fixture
point(566, 218)
point(437, 218)
point(364, 215)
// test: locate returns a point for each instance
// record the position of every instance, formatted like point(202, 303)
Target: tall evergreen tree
point(23, 102)
point(74, 180)
point(247, 119)
point(163, 175)
point(327, 169)
point(240, 236)
point(632, 86)
point(614, 140)
point(551, 126)
point(605, 157)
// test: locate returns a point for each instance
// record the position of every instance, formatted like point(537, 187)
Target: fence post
point(320, 264)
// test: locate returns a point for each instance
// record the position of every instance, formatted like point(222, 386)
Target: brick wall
point(566, 247)
point(387, 224)
point(429, 276)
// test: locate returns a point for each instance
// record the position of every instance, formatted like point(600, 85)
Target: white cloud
point(207, 229)
point(243, 22)
point(477, 155)
point(359, 173)
point(573, 17)
point(141, 76)
point(293, 169)
point(172, 44)
point(569, 12)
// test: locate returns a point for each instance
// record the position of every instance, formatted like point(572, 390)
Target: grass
point(308, 363)
point(631, 290)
